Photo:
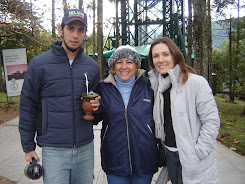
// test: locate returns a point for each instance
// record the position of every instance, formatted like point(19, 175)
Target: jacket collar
point(174, 74)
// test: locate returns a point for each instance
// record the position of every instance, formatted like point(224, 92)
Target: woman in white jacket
point(186, 115)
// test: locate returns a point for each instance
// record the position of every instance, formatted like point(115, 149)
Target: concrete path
point(12, 161)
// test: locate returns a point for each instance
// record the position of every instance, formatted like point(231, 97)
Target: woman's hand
point(96, 103)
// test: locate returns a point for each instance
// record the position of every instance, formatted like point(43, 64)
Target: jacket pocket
point(196, 169)
point(44, 117)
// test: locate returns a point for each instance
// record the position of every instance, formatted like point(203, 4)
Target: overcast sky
point(108, 11)
point(45, 8)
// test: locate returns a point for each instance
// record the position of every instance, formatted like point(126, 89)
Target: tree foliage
point(20, 27)
point(221, 5)
point(221, 61)
point(235, 31)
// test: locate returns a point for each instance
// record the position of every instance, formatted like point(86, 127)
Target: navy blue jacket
point(128, 144)
point(50, 102)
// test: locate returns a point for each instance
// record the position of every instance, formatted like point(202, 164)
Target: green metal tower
point(142, 21)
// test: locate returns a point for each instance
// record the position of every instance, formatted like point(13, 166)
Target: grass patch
point(9, 108)
point(232, 129)
point(9, 102)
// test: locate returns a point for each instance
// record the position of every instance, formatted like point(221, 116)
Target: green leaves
point(20, 27)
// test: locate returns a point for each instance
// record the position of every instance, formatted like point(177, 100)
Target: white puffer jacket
point(196, 124)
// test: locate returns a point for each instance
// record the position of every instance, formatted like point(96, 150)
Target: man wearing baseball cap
point(51, 106)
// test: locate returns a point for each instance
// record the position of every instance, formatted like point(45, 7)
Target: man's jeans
point(68, 165)
point(114, 179)
point(174, 167)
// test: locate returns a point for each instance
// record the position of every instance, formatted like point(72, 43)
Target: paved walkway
point(12, 162)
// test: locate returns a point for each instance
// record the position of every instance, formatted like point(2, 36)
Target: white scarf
point(159, 85)
point(163, 85)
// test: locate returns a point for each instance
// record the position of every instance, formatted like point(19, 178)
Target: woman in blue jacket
point(128, 144)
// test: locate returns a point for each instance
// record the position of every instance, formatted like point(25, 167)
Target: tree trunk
point(117, 26)
point(230, 65)
point(53, 19)
point(237, 59)
point(94, 36)
point(197, 36)
point(200, 38)
point(209, 35)
point(81, 5)
point(205, 39)
point(100, 37)
point(189, 37)
point(1, 73)
point(64, 6)
point(33, 30)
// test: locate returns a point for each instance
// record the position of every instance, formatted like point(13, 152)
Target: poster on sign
point(15, 66)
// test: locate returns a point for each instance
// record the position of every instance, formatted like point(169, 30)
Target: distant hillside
point(219, 33)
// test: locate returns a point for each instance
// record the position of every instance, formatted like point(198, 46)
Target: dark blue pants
point(174, 167)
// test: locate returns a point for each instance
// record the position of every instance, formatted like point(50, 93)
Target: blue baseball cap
point(74, 14)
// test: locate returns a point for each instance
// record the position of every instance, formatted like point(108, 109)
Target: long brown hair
point(177, 55)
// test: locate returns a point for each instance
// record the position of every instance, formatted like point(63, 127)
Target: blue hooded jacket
point(128, 144)
point(50, 102)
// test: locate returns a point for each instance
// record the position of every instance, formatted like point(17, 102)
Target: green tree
point(223, 62)
point(20, 28)
point(219, 67)
point(234, 39)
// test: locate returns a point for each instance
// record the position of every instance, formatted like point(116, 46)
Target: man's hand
point(29, 155)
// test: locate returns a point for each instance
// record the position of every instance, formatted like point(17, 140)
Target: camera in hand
point(33, 170)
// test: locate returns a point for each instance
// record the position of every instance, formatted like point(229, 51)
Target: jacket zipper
point(73, 112)
point(129, 152)
point(126, 118)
